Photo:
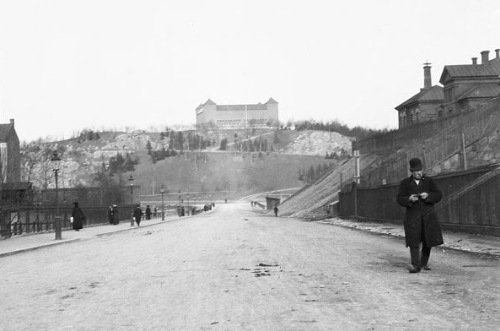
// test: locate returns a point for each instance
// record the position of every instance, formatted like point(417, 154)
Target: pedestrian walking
point(116, 215)
point(110, 215)
point(148, 213)
point(138, 215)
point(155, 211)
point(78, 217)
point(418, 194)
point(276, 211)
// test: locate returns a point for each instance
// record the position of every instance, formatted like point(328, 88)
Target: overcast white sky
point(68, 65)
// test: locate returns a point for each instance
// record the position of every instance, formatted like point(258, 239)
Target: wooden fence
point(471, 201)
point(440, 144)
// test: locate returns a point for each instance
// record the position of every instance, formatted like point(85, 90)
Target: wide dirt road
point(235, 270)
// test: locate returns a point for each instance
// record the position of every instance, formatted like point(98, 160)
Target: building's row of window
point(242, 121)
point(230, 122)
point(412, 117)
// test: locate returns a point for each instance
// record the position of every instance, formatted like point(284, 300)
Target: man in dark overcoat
point(78, 217)
point(116, 215)
point(138, 215)
point(418, 194)
point(111, 218)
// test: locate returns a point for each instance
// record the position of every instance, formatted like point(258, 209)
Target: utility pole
point(463, 151)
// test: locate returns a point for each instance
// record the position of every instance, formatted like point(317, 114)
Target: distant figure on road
point(78, 217)
point(110, 215)
point(148, 212)
point(155, 211)
point(276, 211)
point(138, 215)
point(418, 194)
point(116, 215)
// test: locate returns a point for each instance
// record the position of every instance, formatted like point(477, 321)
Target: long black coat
point(138, 215)
point(420, 212)
point(78, 218)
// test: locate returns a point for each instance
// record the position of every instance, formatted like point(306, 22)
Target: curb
point(52, 244)
point(401, 237)
point(67, 241)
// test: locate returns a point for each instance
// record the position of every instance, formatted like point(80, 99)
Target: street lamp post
point(131, 181)
point(57, 219)
point(162, 190)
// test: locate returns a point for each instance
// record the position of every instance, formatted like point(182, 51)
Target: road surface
point(233, 269)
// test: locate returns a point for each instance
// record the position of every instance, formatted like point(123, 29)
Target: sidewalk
point(465, 242)
point(29, 242)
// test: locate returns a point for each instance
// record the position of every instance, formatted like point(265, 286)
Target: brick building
point(468, 86)
point(465, 87)
point(10, 162)
point(424, 105)
point(238, 116)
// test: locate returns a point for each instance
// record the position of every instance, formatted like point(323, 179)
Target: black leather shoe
point(414, 270)
point(426, 267)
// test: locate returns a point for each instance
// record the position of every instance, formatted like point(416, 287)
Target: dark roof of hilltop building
point(480, 91)
point(258, 106)
point(495, 64)
point(467, 70)
point(432, 95)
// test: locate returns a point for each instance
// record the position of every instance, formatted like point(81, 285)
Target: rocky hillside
point(82, 158)
point(318, 143)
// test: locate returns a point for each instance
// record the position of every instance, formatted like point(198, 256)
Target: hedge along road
point(232, 269)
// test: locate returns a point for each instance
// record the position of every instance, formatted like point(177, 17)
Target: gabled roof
point(481, 91)
point(209, 102)
point(432, 95)
point(467, 70)
point(5, 130)
point(271, 100)
point(495, 64)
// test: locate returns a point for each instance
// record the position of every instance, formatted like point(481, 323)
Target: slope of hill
point(476, 135)
point(205, 170)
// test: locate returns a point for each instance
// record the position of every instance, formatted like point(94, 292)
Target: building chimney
point(427, 76)
point(474, 60)
point(12, 121)
point(498, 52)
point(484, 57)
